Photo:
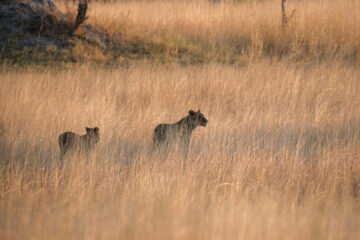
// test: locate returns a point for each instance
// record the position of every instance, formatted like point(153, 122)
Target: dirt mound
point(40, 25)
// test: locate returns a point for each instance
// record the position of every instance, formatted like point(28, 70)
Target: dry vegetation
point(230, 32)
point(198, 31)
point(279, 158)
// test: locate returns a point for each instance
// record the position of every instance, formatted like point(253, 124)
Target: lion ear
point(199, 110)
point(96, 129)
point(191, 112)
point(87, 129)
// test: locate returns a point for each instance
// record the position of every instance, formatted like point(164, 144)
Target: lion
point(179, 132)
point(70, 141)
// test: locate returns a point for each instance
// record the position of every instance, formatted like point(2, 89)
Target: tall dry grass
point(230, 31)
point(279, 158)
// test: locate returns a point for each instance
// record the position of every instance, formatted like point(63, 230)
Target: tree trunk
point(283, 15)
point(81, 15)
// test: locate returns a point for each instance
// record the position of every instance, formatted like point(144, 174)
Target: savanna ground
point(279, 158)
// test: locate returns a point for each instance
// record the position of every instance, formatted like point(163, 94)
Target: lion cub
point(70, 141)
point(179, 132)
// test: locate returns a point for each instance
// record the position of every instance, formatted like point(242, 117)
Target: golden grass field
point(279, 158)
point(198, 31)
